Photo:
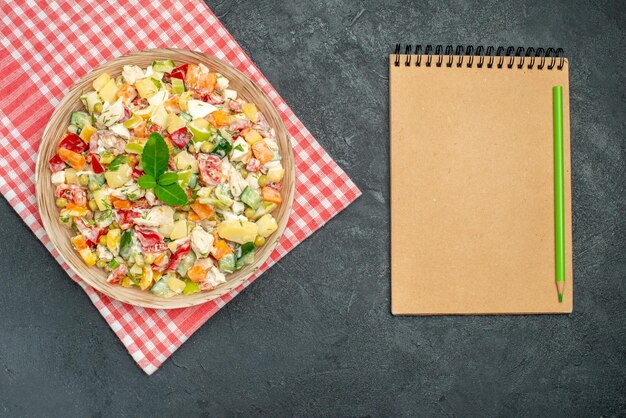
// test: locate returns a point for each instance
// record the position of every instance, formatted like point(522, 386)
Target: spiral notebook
point(472, 188)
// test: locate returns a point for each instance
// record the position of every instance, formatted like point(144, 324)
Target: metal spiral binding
point(478, 55)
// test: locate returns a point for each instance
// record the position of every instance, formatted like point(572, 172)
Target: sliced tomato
point(210, 169)
point(74, 143)
point(181, 137)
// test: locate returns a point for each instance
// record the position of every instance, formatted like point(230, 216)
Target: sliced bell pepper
point(176, 258)
point(180, 137)
point(56, 163)
point(95, 165)
point(74, 143)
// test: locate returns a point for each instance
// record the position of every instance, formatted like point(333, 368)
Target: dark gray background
point(314, 335)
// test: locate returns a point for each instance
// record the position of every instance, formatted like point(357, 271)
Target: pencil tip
point(560, 297)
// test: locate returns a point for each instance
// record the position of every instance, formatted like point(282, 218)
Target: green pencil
point(559, 215)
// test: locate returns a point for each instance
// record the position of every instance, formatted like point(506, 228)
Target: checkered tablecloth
point(48, 45)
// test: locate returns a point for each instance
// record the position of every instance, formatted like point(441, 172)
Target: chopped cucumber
point(222, 192)
point(222, 148)
point(79, 119)
point(216, 203)
point(246, 255)
point(227, 263)
point(126, 243)
point(96, 181)
point(186, 116)
point(161, 288)
point(186, 263)
point(165, 66)
point(178, 86)
point(251, 198)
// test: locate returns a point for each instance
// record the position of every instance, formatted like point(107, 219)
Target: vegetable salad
point(168, 178)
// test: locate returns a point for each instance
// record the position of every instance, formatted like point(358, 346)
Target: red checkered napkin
point(48, 45)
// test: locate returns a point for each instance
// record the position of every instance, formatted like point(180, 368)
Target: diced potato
point(176, 285)
point(180, 229)
point(159, 116)
point(70, 176)
point(147, 87)
point(109, 91)
point(119, 177)
point(249, 109)
point(267, 225)
point(102, 199)
point(238, 231)
point(101, 81)
point(275, 174)
point(87, 131)
point(184, 161)
point(174, 122)
point(252, 137)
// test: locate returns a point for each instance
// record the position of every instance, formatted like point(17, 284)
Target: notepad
point(472, 186)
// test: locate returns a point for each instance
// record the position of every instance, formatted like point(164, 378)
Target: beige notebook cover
point(472, 189)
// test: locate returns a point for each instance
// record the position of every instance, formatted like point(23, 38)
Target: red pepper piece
point(56, 163)
point(151, 241)
point(95, 165)
point(181, 137)
point(176, 258)
point(74, 143)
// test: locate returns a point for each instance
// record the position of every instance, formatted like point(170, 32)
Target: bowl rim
point(123, 294)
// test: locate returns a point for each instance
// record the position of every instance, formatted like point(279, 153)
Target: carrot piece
point(74, 159)
point(193, 217)
point(193, 74)
point(197, 273)
point(220, 118)
point(262, 152)
point(160, 260)
point(207, 81)
point(203, 211)
point(120, 203)
point(220, 249)
point(271, 195)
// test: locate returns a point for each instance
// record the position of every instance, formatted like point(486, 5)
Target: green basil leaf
point(166, 179)
point(155, 155)
point(117, 162)
point(172, 195)
point(146, 182)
